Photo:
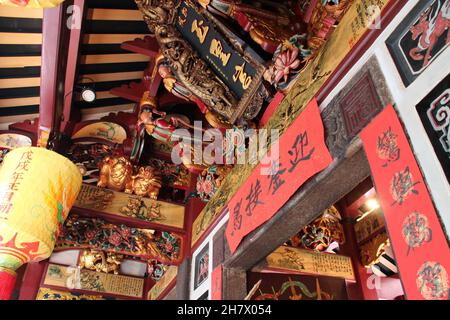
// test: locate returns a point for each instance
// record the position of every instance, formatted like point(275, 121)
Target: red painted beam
point(78, 13)
point(147, 46)
point(55, 40)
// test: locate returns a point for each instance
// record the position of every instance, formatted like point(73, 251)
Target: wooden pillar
point(55, 43)
point(78, 14)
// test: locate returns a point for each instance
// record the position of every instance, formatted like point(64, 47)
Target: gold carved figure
point(115, 173)
point(137, 208)
point(146, 182)
point(100, 262)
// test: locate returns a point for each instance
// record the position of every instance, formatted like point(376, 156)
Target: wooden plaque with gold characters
point(311, 262)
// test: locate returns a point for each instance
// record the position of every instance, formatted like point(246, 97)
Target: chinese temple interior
point(224, 149)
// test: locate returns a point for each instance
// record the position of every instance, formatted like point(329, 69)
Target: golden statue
point(146, 182)
point(115, 173)
point(100, 262)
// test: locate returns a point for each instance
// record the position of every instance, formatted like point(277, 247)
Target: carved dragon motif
point(190, 69)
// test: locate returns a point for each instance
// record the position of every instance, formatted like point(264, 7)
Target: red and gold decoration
point(416, 236)
point(321, 233)
point(209, 181)
point(117, 173)
point(303, 261)
point(325, 16)
point(31, 221)
point(100, 261)
point(87, 233)
point(302, 154)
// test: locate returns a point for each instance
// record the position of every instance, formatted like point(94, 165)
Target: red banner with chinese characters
point(420, 247)
point(216, 283)
point(302, 154)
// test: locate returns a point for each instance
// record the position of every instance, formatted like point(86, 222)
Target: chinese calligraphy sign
point(303, 261)
point(6, 202)
point(224, 60)
point(387, 146)
point(303, 154)
point(416, 235)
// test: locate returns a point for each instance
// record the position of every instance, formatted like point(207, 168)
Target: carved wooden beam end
point(197, 70)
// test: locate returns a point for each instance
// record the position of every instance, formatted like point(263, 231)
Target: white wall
point(406, 99)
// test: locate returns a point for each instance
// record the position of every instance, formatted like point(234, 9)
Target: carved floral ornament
point(97, 234)
point(193, 72)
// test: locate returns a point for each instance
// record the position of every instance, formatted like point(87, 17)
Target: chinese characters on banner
point(216, 283)
point(419, 243)
point(14, 183)
point(302, 154)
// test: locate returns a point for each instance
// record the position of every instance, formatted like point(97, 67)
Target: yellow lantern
point(34, 4)
point(37, 189)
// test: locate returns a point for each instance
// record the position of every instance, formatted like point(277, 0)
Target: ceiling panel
point(20, 61)
point(108, 24)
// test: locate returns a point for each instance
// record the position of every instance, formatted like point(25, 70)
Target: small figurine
point(163, 128)
point(137, 208)
point(101, 262)
point(115, 173)
point(146, 182)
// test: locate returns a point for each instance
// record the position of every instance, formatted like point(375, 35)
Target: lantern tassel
point(7, 283)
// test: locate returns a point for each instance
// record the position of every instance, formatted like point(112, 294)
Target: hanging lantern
point(37, 189)
point(34, 4)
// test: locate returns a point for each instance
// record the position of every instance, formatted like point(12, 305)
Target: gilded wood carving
point(192, 71)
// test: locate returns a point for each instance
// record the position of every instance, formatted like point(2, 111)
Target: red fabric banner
point(302, 154)
point(216, 283)
point(417, 238)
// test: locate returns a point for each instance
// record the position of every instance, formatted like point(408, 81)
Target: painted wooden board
point(87, 280)
point(120, 204)
point(102, 130)
point(50, 294)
